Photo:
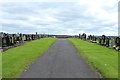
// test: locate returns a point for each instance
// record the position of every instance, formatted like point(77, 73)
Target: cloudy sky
point(94, 17)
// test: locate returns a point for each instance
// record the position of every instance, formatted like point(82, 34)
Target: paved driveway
point(60, 61)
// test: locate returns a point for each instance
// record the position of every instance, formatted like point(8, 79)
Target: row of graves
point(14, 39)
point(110, 42)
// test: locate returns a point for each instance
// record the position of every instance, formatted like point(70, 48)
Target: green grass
point(103, 59)
point(16, 60)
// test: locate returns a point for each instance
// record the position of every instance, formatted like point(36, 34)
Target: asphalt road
point(60, 61)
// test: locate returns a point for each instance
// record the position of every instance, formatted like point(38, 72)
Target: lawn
point(103, 59)
point(16, 60)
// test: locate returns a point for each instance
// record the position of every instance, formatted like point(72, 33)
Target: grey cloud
point(68, 15)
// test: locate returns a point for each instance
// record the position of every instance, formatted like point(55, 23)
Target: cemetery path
point(61, 60)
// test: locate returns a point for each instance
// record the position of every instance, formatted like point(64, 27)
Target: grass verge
point(105, 60)
point(16, 60)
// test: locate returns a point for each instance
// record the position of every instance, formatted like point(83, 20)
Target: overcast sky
point(94, 17)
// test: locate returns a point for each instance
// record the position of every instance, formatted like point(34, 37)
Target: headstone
point(117, 41)
point(84, 36)
point(103, 39)
point(113, 45)
point(107, 41)
point(94, 39)
point(100, 40)
point(22, 37)
point(7, 40)
point(32, 37)
point(79, 35)
point(4, 40)
point(26, 38)
point(90, 37)
point(1, 40)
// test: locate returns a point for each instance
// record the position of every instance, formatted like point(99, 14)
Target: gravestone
point(32, 37)
point(100, 40)
point(90, 37)
point(79, 35)
point(1, 40)
point(103, 39)
point(22, 38)
point(117, 41)
point(1, 35)
point(107, 41)
point(7, 39)
point(26, 37)
point(113, 43)
point(10, 40)
point(84, 36)
point(94, 39)
point(18, 38)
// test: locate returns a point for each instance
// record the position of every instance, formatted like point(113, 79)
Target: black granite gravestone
point(117, 41)
point(100, 40)
point(103, 39)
